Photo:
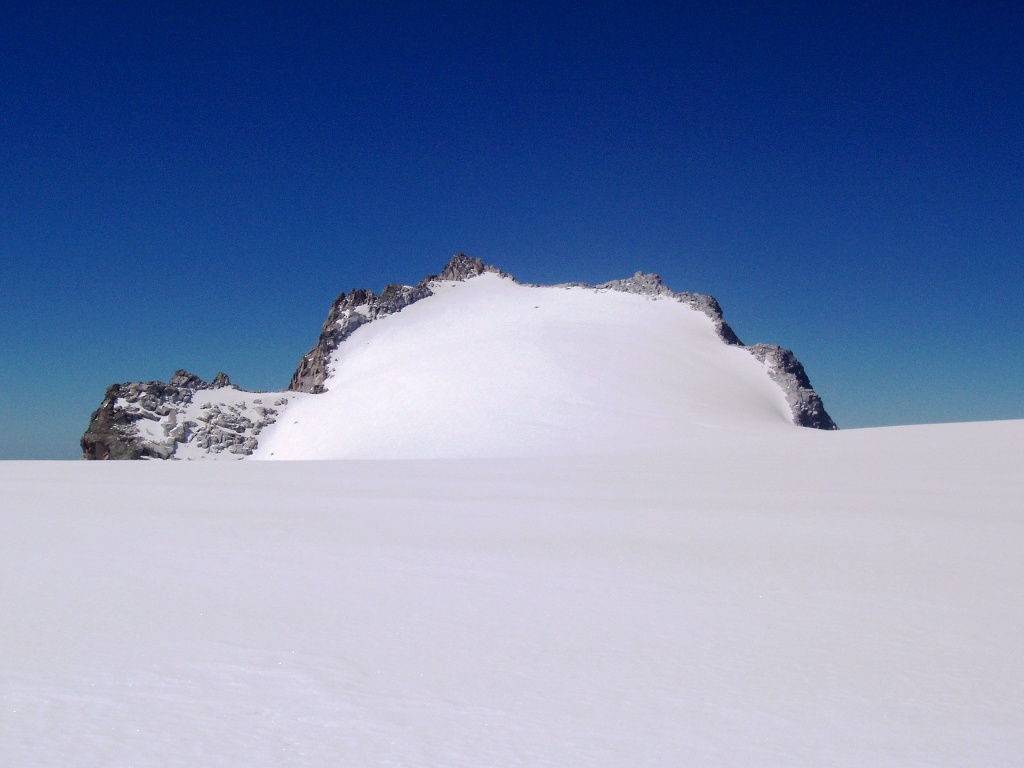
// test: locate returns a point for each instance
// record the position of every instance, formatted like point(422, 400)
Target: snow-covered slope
point(773, 597)
point(471, 363)
point(490, 367)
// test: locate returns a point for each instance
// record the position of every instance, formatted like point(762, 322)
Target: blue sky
point(188, 186)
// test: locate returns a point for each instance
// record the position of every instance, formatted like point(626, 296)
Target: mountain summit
point(472, 363)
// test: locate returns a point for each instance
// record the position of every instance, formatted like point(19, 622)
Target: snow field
point(780, 597)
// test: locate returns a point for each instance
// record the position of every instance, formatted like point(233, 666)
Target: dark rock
point(111, 433)
point(182, 378)
point(462, 267)
point(114, 433)
point(789, 374)
point(651, 285)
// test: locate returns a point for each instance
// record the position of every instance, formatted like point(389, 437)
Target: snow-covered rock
point(471, 362)
point(184, 418)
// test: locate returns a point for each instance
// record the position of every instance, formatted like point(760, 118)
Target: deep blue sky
point(191, 186)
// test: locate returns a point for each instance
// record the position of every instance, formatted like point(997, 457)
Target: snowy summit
point(472, 363)
point(613, 548)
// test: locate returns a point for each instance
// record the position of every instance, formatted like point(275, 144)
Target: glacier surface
point(769, 596)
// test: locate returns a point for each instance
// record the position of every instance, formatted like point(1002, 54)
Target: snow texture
point(763, 596)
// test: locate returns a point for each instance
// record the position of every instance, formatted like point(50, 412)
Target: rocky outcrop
point(786, 371)
point(112, 433)
point(462, 267)
point(360, 306)
point(154, 420)
point(348, 312)
point(651, 285)
point(783, 367)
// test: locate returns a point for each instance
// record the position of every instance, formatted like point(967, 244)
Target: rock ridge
point(788, 372)
point(359, 306)
point(153, 419)
point(650, 285)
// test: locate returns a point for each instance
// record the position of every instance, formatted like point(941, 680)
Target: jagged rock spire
point(462, 267)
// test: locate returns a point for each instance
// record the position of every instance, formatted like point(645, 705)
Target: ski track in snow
point(782, 597)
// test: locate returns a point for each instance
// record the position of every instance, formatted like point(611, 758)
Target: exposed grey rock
point(184, 379)
point(462, 267)
point(360, 306)
point(789, 373)
point(348, 312)
point(111, 433)
point(114, 429)
point(651, 285)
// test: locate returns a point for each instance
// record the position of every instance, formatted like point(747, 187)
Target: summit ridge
point(190, 418)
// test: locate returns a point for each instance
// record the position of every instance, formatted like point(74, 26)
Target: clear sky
point(189, 186)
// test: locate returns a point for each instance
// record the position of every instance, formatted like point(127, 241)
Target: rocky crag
point(783, 367)
point(359, 306)
point(184, 418)
point(190, 418)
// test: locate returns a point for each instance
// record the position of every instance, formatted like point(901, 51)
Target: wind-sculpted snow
point(359, 306)
point(651, 285)
point(522, 379)
point(491, 367)
point(783, 367)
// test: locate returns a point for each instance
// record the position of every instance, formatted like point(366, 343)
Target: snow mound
point(488, 367)
point(473, 364)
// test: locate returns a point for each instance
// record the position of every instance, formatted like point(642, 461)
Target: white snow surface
point(489, 367)
point(774, 597)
